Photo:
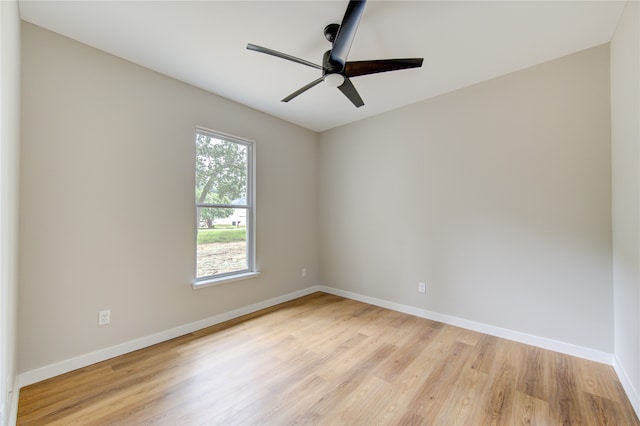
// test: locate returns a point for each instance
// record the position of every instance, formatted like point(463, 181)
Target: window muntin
point(224, 193)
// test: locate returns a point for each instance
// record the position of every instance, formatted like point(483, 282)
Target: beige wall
point(9, 174)
point(496, 195)
point(107, 203)
point(625, 141)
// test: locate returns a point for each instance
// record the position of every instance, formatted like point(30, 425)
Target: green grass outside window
point(221, 235)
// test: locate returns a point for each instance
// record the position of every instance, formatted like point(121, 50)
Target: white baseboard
point(52, 370)
point(541, 342)
point(630, 390)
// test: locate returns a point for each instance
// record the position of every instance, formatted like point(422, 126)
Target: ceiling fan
point(336, 71)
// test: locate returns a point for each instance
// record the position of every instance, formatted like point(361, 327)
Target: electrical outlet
point(104, 317)
point(303, 272)
point(422, 287)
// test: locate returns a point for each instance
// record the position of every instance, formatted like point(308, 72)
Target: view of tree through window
point(223, 205)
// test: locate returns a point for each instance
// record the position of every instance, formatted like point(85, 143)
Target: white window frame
point(250, 271)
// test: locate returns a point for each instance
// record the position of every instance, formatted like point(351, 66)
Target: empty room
point(320, 212)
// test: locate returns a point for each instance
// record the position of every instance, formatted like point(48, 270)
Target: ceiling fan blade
point(282, 55)
point(354, 69)
point(350, 92)
point(347, 32)
point(302, 90)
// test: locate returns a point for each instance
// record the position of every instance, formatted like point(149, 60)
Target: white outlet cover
point(104, 317)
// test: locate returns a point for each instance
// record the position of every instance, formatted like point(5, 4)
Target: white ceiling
point(204, 43)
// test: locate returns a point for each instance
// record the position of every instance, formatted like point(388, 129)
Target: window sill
point(224, 280)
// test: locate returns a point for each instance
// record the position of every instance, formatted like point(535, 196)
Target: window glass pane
point(221, 171)
point(222, 241)
point(224, 203)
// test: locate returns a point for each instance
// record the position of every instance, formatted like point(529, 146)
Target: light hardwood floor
point(323, 359)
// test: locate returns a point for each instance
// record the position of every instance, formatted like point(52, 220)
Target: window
point(224, 207)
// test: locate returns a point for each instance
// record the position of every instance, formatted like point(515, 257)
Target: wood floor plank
point(362, 405)
point(403, 389)
point(532, 380)
point(345, 387)
point(566, 401)
point(406, 354)
point(327, 360)
point(430, 397)
point(528, 410)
